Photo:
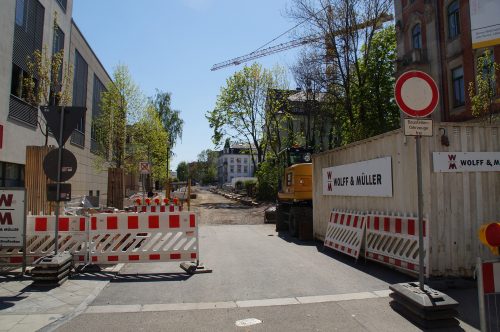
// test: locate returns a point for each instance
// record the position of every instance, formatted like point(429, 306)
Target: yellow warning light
point(489, 235)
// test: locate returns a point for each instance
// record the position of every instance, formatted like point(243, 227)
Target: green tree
point(170, 119)
point(346, 29)
point(483, 93)
point(48, 81)
point(121, 106)
point(374, 109)
point(182, 171)
point(207, 166)
point(149, 142)
point(239, 112)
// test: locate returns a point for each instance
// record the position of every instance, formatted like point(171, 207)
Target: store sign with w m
point(466, 161)
point(11, 217)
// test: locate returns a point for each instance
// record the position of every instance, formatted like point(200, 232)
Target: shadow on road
point(149, 277)
point(9, 301)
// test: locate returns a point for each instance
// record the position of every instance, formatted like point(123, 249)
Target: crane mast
point(289, 45)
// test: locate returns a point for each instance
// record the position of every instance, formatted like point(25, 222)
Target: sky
point(171, 45)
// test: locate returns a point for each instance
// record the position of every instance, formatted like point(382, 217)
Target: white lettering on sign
point(366, 178)
point(466, 161)
point(11, 217)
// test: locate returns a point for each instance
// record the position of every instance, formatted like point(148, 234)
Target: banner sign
point(485, 23)
point(12, 214)
point(466, 161)
point(366, 178)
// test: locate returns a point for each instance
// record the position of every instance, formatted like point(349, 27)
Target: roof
point(302, 96)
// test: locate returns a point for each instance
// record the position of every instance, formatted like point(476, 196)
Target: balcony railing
point(78, 138)
point(22, 111)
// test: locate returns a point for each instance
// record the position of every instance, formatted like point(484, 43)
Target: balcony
point(78, 138)
point(21, 111)
point(414, 57)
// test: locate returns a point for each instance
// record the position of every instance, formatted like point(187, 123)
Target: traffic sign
point(68, 165)
point(144, 167)
point(418, 127)
point(416, 93)
point(72, 116)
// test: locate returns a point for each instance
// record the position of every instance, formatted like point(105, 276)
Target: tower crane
point(384, 17)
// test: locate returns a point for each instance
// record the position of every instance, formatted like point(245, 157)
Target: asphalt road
point(253, 267)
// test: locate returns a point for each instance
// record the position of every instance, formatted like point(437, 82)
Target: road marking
point(235, 304)
point(248, 322)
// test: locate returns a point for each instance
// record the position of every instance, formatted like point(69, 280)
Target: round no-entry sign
point(416, 93)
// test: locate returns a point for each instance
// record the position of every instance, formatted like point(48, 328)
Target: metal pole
point(480, 294)
point(420, 217)
point(24, 234)
point(58, 185)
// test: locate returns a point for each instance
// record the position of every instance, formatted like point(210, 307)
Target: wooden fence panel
point(36, 181)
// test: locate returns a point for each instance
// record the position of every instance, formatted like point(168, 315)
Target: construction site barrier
point(157, 208)
point(345, 232)
point(143, 237)
point(393, 240)
point(73, 238)
point(488, 288)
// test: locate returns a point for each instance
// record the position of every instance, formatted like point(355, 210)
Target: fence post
point(480, 294)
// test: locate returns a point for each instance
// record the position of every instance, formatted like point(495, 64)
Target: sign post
point(62, 128)
point(417, 96)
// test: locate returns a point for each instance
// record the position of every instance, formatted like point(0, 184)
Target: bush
point(250, 186)
point(267, 181)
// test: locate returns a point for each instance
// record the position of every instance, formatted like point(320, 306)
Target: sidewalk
point(27, 308)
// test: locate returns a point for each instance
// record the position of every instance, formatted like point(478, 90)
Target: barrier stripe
point(491, 277)
point(345, 232)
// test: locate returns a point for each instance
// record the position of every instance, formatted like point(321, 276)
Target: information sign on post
point(417, 95)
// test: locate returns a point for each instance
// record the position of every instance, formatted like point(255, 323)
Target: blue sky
point(172, 44)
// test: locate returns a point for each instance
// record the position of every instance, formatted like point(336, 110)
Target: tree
point(182, 171)
point(239, 112)
point(121, 105)
point(346, 29)
point(483, 94)
point(170, 120)
point(149, 142)
point(207, 166)
point(48, 81)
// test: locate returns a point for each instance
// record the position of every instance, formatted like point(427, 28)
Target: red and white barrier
point(491, 277)
point(158, 208)
point(143, 237)
point(345, 232)
point(393, 240)
point(73, 238)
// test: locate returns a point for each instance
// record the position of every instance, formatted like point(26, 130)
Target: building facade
point(235, 162)
point(47, 25)
point(435, 37)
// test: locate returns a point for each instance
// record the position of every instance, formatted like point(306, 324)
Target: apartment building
point(235, 161)
point(438, 38)
point(28, 25)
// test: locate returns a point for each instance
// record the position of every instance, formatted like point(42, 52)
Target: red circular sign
point(416, 93)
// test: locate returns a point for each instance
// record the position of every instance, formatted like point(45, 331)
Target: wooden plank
point(36, 180)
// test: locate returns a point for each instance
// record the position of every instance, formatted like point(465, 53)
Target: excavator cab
point(295, 181)
point(294, 203)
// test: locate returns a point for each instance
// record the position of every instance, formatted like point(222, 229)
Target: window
point(231, 169)
point(97, 91)
point(57, 46)
point(245, 161)
point(453, 20)
point(238, 168)
point(63, 4)
point(238, 160)
point(457, 75)
point(245, 169)
point(80, 87)
point(20, 12)
point(11, 175)
point(416, 37)
point(488, 69)
point(232, 160)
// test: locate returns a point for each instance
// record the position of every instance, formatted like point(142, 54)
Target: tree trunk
point(115, 188)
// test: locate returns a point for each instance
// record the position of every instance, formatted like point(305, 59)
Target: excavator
point(294, 202)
